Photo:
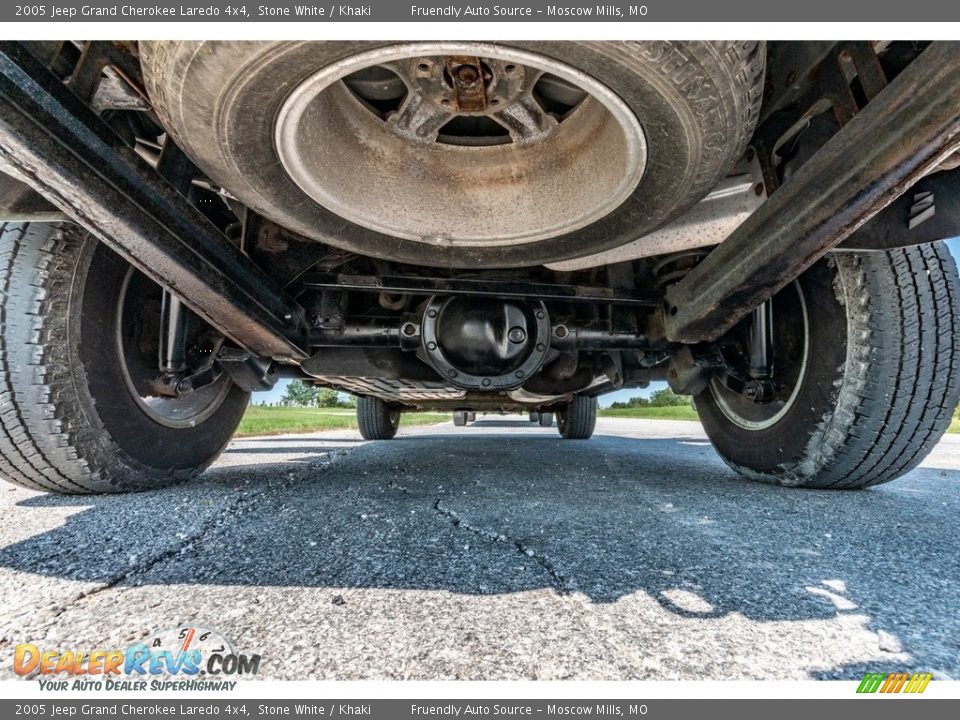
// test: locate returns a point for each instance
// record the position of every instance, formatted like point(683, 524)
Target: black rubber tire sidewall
point(693, 99)
point(147, 453)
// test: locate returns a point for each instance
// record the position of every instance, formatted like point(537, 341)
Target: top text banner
point(481, 11)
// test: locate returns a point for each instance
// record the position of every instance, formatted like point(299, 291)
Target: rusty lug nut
point(467, 74)
point(517, 335)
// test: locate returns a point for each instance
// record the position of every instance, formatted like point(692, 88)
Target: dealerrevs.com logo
point(181, 658)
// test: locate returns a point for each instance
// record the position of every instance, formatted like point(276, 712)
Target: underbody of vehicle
point(477, 227)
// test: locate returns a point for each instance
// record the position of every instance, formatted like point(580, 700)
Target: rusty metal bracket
point(50, 138)
point(18, 201)
point(466, 74)
point(910, 127)
point(810, 79)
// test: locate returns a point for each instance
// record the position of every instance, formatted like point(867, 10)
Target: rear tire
point(377, 420)
point(69, 420)
point(460, 418)
point(546, 419)
point(578, 418)
point(881, 377)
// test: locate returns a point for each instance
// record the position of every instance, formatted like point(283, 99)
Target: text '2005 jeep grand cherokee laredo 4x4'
point(477, 226)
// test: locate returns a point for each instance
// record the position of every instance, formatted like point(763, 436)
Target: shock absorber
point(760, 387)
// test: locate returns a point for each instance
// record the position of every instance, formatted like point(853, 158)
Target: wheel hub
point(463, 144)
point(445, 89)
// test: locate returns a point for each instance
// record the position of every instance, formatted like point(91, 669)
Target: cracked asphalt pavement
point(499, 551)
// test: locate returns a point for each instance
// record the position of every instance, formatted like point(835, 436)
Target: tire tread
point(916, 374)
point(32, 439)
point(51, 436)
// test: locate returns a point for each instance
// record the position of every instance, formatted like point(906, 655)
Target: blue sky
point(276, 393)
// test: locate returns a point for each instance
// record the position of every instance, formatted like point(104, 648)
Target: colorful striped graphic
point(894, 682)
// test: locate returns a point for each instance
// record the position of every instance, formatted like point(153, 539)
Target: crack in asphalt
point(560, 583)
point(235, 509)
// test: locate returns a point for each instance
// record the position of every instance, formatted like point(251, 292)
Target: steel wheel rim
point(725, 399)
point(485, 195)
point(183, 412)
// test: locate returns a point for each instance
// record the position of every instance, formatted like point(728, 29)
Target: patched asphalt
point(499, 551)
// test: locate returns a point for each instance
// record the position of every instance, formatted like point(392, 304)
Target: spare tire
point(461, 154)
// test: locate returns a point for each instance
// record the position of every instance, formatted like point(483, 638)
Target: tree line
point(299, 394)
point(660, 398)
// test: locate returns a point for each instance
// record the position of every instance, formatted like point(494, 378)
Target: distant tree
point(327, 398)
point(631, 403)
point(668, 398)
point(660, 398)
point(299, 394)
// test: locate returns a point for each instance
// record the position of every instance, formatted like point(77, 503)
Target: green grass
point(678, 412)
point(279, 420)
